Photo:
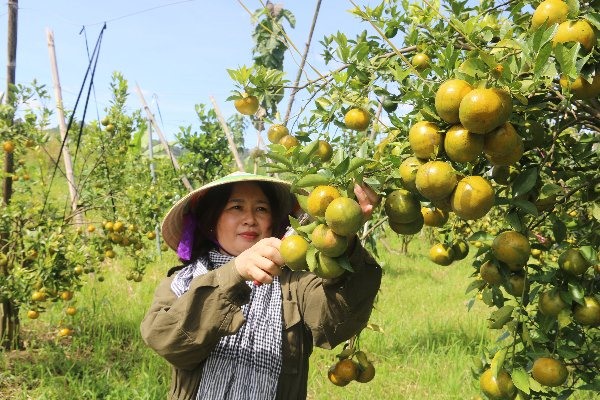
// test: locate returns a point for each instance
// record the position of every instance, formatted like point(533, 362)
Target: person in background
point(233, 321)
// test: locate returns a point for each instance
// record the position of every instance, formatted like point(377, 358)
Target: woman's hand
point(260, 262)
point(367, 199)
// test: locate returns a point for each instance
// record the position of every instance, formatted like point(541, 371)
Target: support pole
point(228, 134)
point(60, 114)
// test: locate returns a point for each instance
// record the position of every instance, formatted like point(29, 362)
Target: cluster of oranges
point(356, 367)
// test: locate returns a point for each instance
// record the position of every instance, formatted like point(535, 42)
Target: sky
point(177, 51)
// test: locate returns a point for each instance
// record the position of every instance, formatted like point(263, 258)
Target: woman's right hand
point(261, 262)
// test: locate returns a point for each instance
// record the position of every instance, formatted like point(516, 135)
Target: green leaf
point(342, 167)
point(559, 229)
point(593, 18)
point(279, 158)
point(541, 38)
point(589, 253)
point(476, 284)
point(344, 263)
point(525, 181)
point(567, 58)
point(355, 163)
point(500, 317)
point(526, 206)
point(312, 258)
point(577, 291)
point(541, 61)
point(514, 220)
point(312, 180)
point(520, 378)
point(498, 361)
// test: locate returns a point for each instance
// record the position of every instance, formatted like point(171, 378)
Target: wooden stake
point(163, 141)
point(225, 128)
point(63, 130)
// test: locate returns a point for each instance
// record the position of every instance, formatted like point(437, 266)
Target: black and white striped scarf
point(246, 365)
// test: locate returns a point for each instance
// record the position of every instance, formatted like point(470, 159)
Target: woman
point(234, 322)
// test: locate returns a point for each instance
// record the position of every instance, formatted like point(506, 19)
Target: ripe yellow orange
point(247, 105)
point(461, 145)
point(441, 254)
point(572, 262)
point(490, 273)
point(460, 247)
point(344, 216)
point(576, 31)
point(66, 295)
point(38, 295)
point(8, 146)
point(402, 207)
point(293, 250)
point(319, 198)
point(324, 151)
point(357, 119)
point(434, 216)
point(289, 141)
point(420, 61)
point(512, 248)
point(71, 311)
point(408, 172)
point(500, 387)
point(436, 179)
point(581, 88)
point(481, 111)
point(276, 132)
point(507, 103)
point(328, 242)
point(503, 174)
point(549, 371)
point(472, 198)
point(109, 254)
point(448, 98)
point(367, 372)
point(151, 235)
point(550, 12)
point(65, 332)
point(33, 314)
point(550, 303)
point(503, 146)
point(91, 228)
point(588, 313)
point(425, 139)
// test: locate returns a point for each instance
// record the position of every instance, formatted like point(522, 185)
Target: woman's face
point(245, 220)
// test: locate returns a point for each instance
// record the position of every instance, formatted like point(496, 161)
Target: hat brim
point(172, 224)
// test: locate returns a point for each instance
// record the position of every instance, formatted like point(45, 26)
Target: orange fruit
point(408, 172)
point(576, 31)
point(319, 198)
point(8, 146)
point(425, 139)
point(366, 372)
point(324, 151)
point(588, 313)
point(247, 105)
point(549, 371)
point(328, 267)
point(503, 146)
point(516, 285)
point(461, 145)
point(572, 262)
point(434, 216)
point(472, 198)
point(276, 132)
point(500, 387)
point(409, 228)
point(441, 254)
point(481, 110)
point(420, 61)
point(38, 296)
point(344, 216)
point(347, 369)
point(512, 248)
point(401, 206)
point(110, 254)
point(507, 103)
point(328, 242)
point(33, 314)
point(550, 12)
point(91, 228)
point(581, 88)
point(66, 295)
point(448, 98)
point(289, 141)
point(503, 174)
point(151, 235)
point(65, 332)
point(71, 311)
point(335, 379)
point(460, 247)
point(293, 250)
point(550, 303)
point(357, 119)
point(490, 273)
point(435, 179)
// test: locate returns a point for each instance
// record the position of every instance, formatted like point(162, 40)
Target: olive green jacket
point(316, 312)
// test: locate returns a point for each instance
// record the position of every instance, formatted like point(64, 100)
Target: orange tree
point(482, 123)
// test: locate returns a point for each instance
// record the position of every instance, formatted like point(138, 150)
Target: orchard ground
point(427, 346)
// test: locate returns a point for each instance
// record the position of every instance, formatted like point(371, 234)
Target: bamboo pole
point(225, 128)
point(60, 114)
point(163, 141)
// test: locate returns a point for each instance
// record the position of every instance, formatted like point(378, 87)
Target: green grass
point(424, 352)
